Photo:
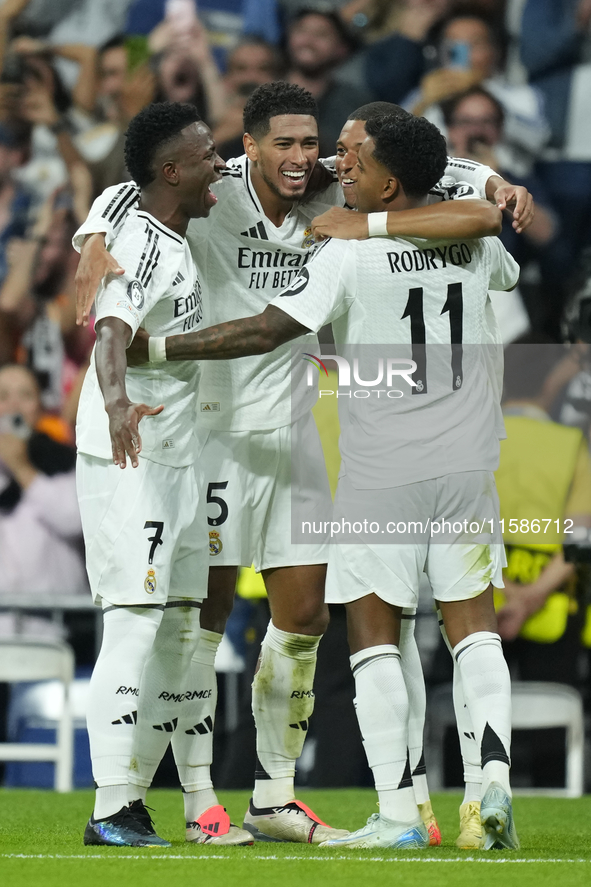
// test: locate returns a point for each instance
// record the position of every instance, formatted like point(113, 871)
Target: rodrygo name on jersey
point(418, 393)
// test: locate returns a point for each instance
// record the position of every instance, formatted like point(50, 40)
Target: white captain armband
point(157, 349)
point(377, 224)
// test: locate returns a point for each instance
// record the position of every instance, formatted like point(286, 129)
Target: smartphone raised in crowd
point(181, 14)
point(456, 54)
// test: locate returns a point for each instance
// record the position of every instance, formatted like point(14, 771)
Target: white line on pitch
point(251, 856)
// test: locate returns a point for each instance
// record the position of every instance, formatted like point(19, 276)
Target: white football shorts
point(144, 530)
point(459, 565)
point(255, 482)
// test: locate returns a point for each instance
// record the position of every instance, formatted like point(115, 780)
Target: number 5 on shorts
point(223, 515)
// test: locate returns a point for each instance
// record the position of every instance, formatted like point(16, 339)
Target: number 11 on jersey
point(454, 306)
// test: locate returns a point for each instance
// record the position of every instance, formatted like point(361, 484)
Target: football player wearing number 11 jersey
point(423, 454)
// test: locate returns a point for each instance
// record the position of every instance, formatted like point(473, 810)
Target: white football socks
point(114, 698)
point(165, 692)
point(282, 703)
point(412, 671)
point(487, 693)
point(192, 741)
point(469, 747)
point(381, 702)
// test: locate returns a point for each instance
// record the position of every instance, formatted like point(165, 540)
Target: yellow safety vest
point(534, 479)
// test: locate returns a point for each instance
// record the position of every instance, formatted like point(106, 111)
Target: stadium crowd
point(509, 84)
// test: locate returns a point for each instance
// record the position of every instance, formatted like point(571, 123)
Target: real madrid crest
point(215, 543)
point(135, 294)
point(150, 582)
point(308, 240)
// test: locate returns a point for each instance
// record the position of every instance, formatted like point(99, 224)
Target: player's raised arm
point(449, 218)
point(124, 416)
point(96, 262)
point(106, 215)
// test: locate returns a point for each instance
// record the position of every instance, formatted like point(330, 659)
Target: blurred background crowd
point(509, 84)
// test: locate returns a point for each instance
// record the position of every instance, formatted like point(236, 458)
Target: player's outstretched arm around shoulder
point(96, 262)
point(238, 338)
point(493, 187)
point(515, 198)
point(448, 219)
point(124, 416)
point(107, 214)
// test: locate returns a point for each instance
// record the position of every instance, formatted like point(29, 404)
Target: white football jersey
point(161, 292)
point(246, 261)
point(391, 302)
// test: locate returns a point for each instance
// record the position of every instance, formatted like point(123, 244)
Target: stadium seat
point(536, 705)
point(34, 661)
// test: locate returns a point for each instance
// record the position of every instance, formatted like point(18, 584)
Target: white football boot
point(293, 822)
point(379, 832)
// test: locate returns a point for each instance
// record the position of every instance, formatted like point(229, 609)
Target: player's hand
point(137, 353)
point(517, 199)
point(124, 419)
point(95, 263)
point(341, 223)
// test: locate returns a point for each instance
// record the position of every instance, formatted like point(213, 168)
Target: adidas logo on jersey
point(127, 719)
point(257, 231)
point(178, 279)
point(301, 725)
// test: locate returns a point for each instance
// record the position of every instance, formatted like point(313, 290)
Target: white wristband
point(377, 224)
point(157, 349)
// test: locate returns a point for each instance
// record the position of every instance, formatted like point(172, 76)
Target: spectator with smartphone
point(471, 52)
point(475, 124)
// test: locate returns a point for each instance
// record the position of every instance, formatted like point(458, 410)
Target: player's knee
point(311, 618)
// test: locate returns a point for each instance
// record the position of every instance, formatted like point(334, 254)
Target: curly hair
point(412, 149)
point(150, 129)
point(272, 99)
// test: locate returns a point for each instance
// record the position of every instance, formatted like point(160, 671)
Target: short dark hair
point(378, 109)
point(155, 125)
point(270, 100)
point(278, 59)
point(449, 107)
point(411, 148)
point(116, 42)
point(346, 35)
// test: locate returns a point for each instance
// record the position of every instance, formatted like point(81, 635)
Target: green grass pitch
point(41, 846)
